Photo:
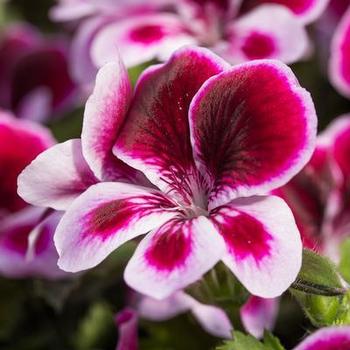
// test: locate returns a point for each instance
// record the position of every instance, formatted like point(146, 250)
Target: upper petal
point(174, 256)
point(331, 338)
point(104, 114)
point(140, 39)
point(339, 67)
point(103, 218)
point(255, 36)
point(264, 248)
point(155, 136)
point(56, 177)
point(252, 127)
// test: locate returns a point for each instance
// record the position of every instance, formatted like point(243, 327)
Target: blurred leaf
point(318, 275)
point(94, 327)
point(344, 265)
point(134, 72)
point(271, 342)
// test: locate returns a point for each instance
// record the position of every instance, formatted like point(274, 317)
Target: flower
point(331, 338)
point(34, 79)
point(146, 30)
point(318, 195)
point(211, 141)
point(26, 232)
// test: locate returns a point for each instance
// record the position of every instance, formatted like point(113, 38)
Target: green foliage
point(344, 265)
point(243, 341)
point(318, 276)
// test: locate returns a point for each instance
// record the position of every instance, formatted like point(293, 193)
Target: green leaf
point(318, 276)
point(242, 341)
point(344, 265)
point(271, 342)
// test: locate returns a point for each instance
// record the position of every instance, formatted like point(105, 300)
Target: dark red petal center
point(258, 45)
point(147, 34)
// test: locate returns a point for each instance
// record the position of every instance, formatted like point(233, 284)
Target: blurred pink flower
point(126, 321)
point(34, 79)
point(207, 140)
point(26, 233)
point(145, 30)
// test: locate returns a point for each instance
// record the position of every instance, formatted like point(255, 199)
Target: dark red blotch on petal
point(170, 247)
point(147, 34)
point(244, 235)
point(258, 45)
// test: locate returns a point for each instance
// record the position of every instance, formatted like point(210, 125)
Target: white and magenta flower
point(142, 31)
point(319, 194)
point(331, 338)
point(26, 233)
point(208, 141)
point(34, 79)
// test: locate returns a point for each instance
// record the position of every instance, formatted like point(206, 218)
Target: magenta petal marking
point(115, 215)
point(170, 249)
point(244, 235)
point(147, 33)
point(258, 45)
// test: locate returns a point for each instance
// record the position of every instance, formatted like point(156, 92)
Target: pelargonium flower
point(211, 141)
point(318, 195)
point(213, 319)
point(155, 32)
point(26, 233)
point(34, 78)
point(331, 338)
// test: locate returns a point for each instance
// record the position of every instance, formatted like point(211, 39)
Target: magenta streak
point(170, 247)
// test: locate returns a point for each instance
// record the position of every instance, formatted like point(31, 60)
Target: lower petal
point(103, 218)
point(264, 248)
point(174, 256)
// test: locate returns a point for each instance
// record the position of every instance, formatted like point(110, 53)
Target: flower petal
point(104, 114)
point(56, 177)
point(103, 218)
point(252, 128)
point(26, 245)
point(306, 10)
point(155, 137)
point(339, 67)
point(127, 322)
point(212, 319)
point(264, 248)
point(258, 315)
point(255, 36)
point(140, 39)
point(331, 338)
point(174, 256)
point(20, 142)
